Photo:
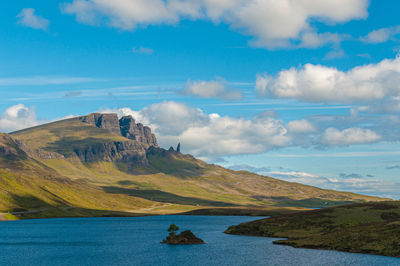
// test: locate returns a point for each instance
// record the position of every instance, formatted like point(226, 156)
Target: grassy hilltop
point(41, 175)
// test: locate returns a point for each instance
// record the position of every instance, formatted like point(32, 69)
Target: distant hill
point(102, 165)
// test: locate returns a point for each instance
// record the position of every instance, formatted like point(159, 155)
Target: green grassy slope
point(27, 184)
point(172, 182)
point(63, 136)
point(372, 228)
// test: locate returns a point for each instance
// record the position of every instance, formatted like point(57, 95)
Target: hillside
point(372, 228)
point(102, 163)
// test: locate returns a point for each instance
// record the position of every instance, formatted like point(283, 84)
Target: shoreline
point(369, 228)
point(72, 212)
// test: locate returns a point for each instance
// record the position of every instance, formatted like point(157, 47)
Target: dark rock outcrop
point(132, 151)
point(39, 153)
point(184, 238)
point(116, 151)
point(138, 132)
point(126, 127)
point(105, 121)
point(10, 148)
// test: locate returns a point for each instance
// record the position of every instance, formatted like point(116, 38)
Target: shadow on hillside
point(31, 207)
point(28, 202)
point(67, 145)
point(161, 196)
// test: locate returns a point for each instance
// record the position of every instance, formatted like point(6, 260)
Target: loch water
point(136, 241)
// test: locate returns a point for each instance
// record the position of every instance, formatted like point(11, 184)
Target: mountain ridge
point(119, 158)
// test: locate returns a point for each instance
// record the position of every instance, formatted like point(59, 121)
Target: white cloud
point(314, 40)
point(125, 14)
point(301, 126)
point(28, 18)
point(335, 54)
point(357, 183)
point(381, 35)
point(17, 117)
point(348, 136)
point(299, 177)
point(272, 23)
point(366, 186)
point(169, 118)
point(142, 50)
point(211, 89)
point(317, 83)
point(391, 105)
point(210, 135)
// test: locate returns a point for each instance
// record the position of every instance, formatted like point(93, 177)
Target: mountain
point(371, 228)
point(101, 165)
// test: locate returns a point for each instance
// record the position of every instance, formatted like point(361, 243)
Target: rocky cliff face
point(131, 151)
point(138, 132)
point(9, 147)
point(126, 127)
point(105, 121)
point(125, 151)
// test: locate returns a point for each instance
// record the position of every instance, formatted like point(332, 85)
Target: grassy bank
point(371, 228)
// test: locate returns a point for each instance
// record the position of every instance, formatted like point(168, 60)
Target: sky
point(303, 90)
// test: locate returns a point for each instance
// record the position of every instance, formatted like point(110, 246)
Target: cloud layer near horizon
point(343, 182)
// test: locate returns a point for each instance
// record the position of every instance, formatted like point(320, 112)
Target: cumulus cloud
point(315, 40)
point(385, 106)
point(17, 117)
point(348, 136)
point(210, 135)
point(28, 18)
point(211, 89)
point(317, 83)
point(272, 23)
point(300, 126)
point(335, 54)
point(381, 35)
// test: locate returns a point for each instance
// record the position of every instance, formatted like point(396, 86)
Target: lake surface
point(136, 241)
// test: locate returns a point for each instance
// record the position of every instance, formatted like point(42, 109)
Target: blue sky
point(306, 91)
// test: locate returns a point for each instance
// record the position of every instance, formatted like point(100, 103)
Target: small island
point(184, 238)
